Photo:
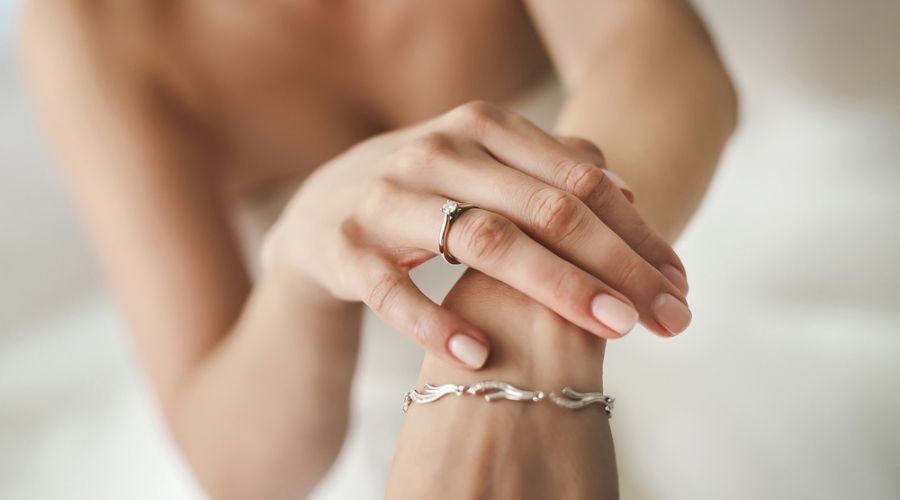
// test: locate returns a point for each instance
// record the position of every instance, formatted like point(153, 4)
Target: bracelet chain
point(493, 390)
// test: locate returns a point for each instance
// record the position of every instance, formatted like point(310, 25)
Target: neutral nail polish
point(671, 313)
point(674, 275)
point(468, 350)
point(615, 314)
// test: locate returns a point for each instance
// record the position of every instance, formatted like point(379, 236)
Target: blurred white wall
point(6, 14)
point(787, 384)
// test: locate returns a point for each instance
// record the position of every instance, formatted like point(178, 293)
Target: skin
point(194, 107)
point(463, 448)
point(375, 226)
point(466, 448)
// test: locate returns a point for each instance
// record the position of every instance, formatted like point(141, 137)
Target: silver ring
point(451, 210)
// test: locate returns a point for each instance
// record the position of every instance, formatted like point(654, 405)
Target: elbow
point(734, 109)
point(712, 72)
point(691, 45)
point(726, 99)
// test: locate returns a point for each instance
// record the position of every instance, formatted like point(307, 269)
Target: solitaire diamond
point(450, 207)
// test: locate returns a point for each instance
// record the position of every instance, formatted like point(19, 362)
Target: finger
point(653, 247)
point(583, 146)
point(565, 225)
point(593, 154)
point(393, 296)
point(626, 221)
point(522, 145)
point(495, 246)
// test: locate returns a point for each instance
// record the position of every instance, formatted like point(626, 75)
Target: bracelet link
point(493, 390)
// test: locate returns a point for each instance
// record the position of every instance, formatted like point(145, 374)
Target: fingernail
point(671, 313)
point(615, 314)
point(674, 275)
point(622, 185)
point(468, 350)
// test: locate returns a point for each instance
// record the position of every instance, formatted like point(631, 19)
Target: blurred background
point(786, 386)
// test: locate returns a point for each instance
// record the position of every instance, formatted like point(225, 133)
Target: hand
point(464, 448)
point(551, 224)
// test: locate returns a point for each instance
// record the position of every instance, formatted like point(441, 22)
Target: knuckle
point(646, 239)
point(584, 180)
point(655, 250)
point(486, 236)
point(423, 330)
point(383, 292)
point(420, 330)
point(349, 236)
point(628, 273)
point(424, 152)
point(569, 286)
point(476, 115)
point(556, 214)
point(379, 193)
point(433, 145)
point(585, 146)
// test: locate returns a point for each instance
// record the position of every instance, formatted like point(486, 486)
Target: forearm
point(264, 415)
point(465, 448)
point(653, 93)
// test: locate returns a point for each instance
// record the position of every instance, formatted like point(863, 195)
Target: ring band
point(451, 210)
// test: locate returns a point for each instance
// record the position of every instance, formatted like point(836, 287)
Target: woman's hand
point(464, 448)
point(551, 223)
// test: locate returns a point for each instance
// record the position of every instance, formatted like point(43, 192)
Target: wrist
point(509, 449)
point(531, 346)
point(322, 325)
point(467, 448)
point(281, 273)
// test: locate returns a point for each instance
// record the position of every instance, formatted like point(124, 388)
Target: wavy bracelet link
point(493, 390)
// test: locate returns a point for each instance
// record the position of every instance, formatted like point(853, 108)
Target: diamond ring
point(451, 210)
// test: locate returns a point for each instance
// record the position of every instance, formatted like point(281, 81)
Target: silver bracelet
point(493, 390)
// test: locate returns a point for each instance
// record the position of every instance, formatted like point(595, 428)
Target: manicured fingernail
point(618, 181)
point(674, 275)
point(671, 313)
point(615, 314)
point(468, 350)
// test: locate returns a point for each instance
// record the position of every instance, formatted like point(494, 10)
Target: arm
point(235, 392)
point(464, 448)
point(227, 358)
point(254, 380)
point(646, 84)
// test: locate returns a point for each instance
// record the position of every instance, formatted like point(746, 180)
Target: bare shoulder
point(123, 47)
point(103, 33)
point(97, 67)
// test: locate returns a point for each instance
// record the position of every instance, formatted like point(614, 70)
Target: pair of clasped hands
point(552, 223)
